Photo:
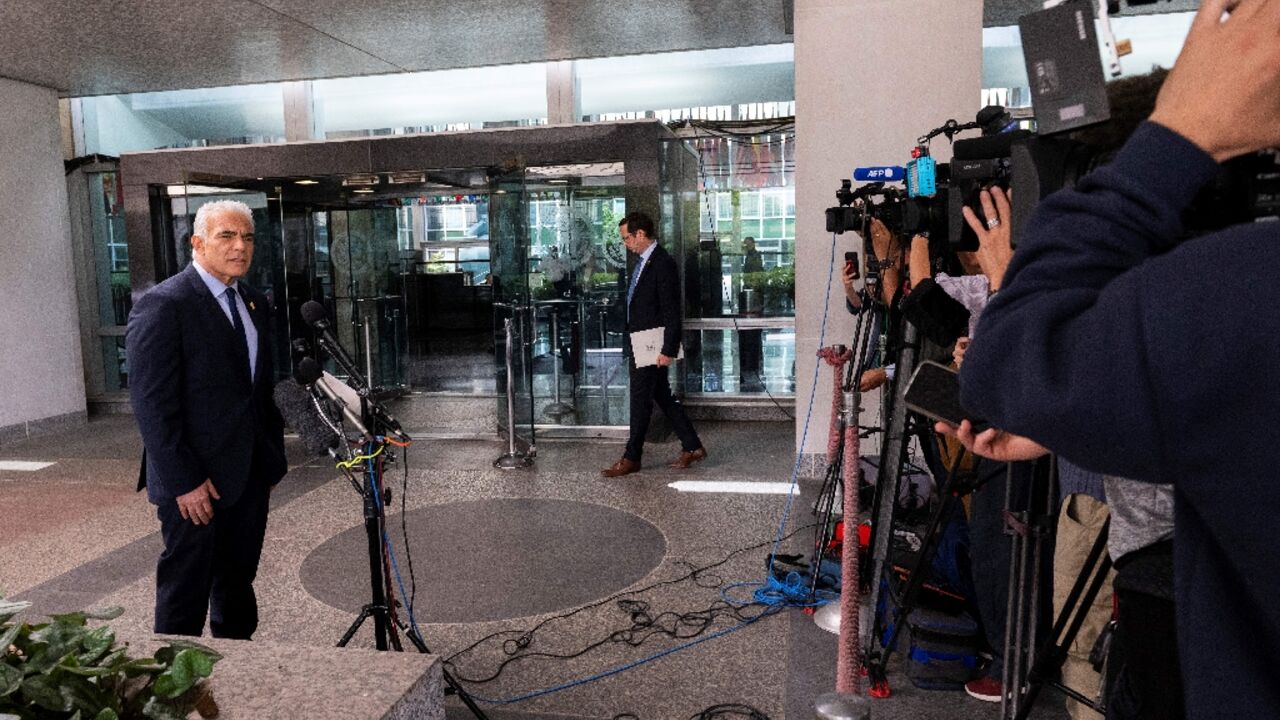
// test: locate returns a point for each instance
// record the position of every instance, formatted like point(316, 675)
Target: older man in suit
point(200, 384)
point(653, 301)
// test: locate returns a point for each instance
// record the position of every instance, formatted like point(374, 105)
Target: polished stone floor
point(546, 587)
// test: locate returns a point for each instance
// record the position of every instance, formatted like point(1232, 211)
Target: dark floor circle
point(495, 559)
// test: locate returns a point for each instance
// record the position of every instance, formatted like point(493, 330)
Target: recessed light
point(363, 191)
point(306, 182)
point(558, 181)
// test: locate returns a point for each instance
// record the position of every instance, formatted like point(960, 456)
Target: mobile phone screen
point(851, 264)
point(934, 391)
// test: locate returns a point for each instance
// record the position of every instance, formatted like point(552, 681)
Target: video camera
point(1069, 93)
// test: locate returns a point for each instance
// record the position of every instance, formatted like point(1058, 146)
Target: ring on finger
point(993, 223)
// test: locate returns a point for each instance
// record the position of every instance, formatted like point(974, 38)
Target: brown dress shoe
point(620, 468)
point(689, 457)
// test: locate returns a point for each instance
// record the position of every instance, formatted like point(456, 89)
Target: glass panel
point(110, 249)
point(115, 124)
point(740, 360)
point(701, 84)
point(114, 364)
point(469, 98)
point(577, 267)
point(368, 302)
point(741, 202)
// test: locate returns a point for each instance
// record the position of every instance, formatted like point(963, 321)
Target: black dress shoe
point(620, 468)
point(689, 457)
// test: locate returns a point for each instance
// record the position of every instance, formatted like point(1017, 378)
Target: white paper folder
point(646, 345)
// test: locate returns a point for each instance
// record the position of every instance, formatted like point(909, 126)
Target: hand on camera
point(1223, 93)
point(883, 242)
point(992, 443)
point(995, 247)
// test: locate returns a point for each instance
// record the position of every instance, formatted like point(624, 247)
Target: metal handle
point(511, 459)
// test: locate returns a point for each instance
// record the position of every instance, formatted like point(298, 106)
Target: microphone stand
point(380, 423)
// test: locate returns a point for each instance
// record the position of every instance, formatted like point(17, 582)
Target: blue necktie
point(237, 323)
point(631, 289)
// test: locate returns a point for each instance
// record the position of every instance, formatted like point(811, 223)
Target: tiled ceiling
point(99, 47)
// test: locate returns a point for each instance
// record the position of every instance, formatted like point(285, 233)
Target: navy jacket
point(200, 415)
point(1133, 354)
point(656, 301)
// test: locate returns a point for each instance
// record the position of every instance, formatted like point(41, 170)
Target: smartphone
point(934, 391)
point(851, 264)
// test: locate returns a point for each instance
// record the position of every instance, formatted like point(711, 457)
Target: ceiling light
point(363, 191)
point(558, 181)
point(406, 178)
point(306, 182)
point(355, 180)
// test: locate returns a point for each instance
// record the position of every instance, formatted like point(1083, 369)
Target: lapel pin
point(252, 307)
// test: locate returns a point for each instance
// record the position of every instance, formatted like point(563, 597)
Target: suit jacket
point(200, 414)
point(655, 302)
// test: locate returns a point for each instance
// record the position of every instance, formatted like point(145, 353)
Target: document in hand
point(646, 345)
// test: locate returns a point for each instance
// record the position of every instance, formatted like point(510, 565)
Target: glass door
point(509, 263)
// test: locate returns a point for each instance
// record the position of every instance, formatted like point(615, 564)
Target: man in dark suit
point(200, 381)
point(653, 301)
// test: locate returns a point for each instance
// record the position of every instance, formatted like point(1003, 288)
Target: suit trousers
point(650, 385)
point(210, 568)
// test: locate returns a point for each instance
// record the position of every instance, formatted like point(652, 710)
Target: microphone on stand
point(331, 388)
point(317, 317)
point(294, 400)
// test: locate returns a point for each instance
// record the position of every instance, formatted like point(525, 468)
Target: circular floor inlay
point(495, 559)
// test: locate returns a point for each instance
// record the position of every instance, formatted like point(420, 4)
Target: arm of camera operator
point(1103, 317)
point(872, 379)
point(852, 295)
point(992, 443)
point(918, 260)
point(886, 248)
point(994, 231)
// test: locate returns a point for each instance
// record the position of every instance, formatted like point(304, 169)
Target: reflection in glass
point(114, 364)
point(110, 248)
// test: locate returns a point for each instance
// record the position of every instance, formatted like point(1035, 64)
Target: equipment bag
point(940, 648)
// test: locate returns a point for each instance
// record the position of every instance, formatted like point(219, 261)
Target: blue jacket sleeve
point(154, 339)
point(1078, 349)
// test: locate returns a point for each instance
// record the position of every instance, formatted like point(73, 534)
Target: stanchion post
point(512, 458)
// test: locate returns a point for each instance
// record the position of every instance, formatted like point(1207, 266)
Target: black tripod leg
point(365, 613)
point(1054, 654)
point(915, 576)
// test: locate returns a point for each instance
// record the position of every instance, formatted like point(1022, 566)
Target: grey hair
point(201, 225)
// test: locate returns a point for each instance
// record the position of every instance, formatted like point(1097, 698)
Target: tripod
point(376, 427)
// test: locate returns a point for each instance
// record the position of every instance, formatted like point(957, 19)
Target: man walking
point(200, 385)
point(653, 301)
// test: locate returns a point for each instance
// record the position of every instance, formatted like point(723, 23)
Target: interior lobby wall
point(41, 375)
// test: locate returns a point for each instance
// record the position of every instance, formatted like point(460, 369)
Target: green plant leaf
point(82, 694)
point(158, 709)
point(167, 653)
point(187, 668)
point(106, 714)
point(140, 666)
point(95, 644)
point(10, 679)
point(75, 619)
point(9, 635)
point(8, 609)
point(43, 690)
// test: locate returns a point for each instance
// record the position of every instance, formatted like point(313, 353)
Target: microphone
point(294, 401)
point(318, 318)
point(885, 173)
point(326, 385)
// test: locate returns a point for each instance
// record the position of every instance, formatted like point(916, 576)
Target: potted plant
point(65, 669)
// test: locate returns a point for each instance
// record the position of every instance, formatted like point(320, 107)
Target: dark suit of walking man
point(200, 383)
point(653, 300)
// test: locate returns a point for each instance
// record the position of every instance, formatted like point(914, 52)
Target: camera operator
point(1189, 348)
point(888, 259)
